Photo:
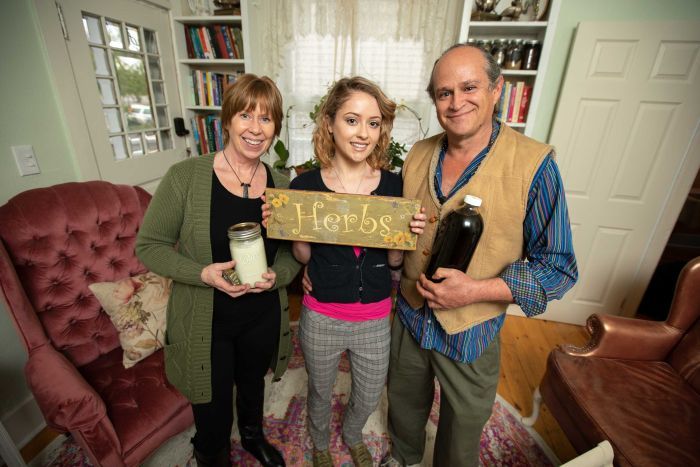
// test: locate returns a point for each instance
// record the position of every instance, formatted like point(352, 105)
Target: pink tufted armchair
point(53, 243)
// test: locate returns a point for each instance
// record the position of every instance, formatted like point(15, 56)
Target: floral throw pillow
point(136, 305)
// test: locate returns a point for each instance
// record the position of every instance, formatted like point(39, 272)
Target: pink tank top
point(350, 311)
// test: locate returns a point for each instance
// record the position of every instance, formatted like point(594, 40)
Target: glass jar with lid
point(484, 44)
point(248, 250)
point(498, 51)
point(514, 55)
point(531, 54)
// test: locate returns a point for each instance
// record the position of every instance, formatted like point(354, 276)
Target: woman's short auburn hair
point(340, 92)
point(245, 94)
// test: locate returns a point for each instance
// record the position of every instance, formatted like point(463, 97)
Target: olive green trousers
point(467, 394)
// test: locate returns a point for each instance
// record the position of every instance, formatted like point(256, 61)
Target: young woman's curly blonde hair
point(342, 90)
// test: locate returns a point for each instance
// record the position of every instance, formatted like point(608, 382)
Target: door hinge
point(62, 21)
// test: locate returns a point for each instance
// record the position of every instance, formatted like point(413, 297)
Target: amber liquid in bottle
point(457, 238)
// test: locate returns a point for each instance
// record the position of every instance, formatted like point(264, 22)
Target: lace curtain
point(308, 44)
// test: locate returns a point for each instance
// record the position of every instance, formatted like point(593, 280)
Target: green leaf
point(282, 153)
point(281, 150)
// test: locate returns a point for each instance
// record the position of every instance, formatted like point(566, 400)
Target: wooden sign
point(341, 219)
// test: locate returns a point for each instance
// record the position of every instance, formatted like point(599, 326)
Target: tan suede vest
point(503, 182)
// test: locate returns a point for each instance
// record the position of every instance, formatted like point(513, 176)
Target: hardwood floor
point(525, 344)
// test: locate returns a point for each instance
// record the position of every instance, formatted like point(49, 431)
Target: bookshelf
point(527, 29)
point(210, 52)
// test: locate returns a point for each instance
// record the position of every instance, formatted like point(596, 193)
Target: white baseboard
point(24, 422)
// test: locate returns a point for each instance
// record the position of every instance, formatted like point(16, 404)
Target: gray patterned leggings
point(323, 340)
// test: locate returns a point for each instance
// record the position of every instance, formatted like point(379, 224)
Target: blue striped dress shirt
point(549, 271)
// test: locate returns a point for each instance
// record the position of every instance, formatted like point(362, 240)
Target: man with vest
point(450, 329)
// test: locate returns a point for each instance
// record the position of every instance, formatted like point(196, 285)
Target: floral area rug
point(504, 442)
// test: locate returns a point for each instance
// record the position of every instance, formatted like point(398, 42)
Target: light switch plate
point(26, 160)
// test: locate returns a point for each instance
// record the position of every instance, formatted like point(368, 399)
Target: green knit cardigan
point(174, 241)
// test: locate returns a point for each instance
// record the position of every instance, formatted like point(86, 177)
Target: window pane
point(154, 67)
point(113, 120)
point(158, 94)
point(132, 35)
point(106, 91)
point(151, 142)
point(135, 144)
point(166, 140)
point(131, 77)
point(132, 96)
point(99, 60)
point(151, 44)
point(114, 32)
point(93, 29)
point(162, 113)
point(117, 143)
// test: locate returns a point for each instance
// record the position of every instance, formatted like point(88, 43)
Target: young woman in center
point(349, 302)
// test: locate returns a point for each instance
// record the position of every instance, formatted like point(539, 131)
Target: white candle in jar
point(248, 250)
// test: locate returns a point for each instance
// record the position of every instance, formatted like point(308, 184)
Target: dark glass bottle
point(457, 237)
point(531, 55)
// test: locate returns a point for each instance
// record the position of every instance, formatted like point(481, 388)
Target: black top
point(228, 209)
point(338, 275)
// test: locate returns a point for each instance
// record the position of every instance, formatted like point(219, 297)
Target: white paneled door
point(120, 59)
point(626, 133)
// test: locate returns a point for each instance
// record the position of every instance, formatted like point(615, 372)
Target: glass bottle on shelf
point(499, 51)
point(531, 54)
point(514, 55)
point(484, 44)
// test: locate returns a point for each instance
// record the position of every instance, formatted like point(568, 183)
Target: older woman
point(220, 335)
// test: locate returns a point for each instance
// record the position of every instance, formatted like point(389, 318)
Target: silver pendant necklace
point(244, 185)
point(362, 179)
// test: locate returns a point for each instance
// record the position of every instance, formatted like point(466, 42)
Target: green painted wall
point(574, 11)
point(31, 111)
point(30, 115)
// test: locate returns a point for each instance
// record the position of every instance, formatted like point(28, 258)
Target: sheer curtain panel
point(306, 45)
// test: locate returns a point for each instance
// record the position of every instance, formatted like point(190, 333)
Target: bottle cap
point(472, 200)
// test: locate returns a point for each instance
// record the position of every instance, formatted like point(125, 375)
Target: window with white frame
point(392, 42)
point(128, 72)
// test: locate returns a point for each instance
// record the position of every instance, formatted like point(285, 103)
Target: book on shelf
point(238, 35)
point(514, 102)
point(517, 96)
point(193, 35)
point(207, 133)
point(189, 45)
point(204, 40)
point(223, 37)
point(502, 102)
point(208, 87)
point(195, 135)
point(511, 100)
point(524, 103)
point(213, 42)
